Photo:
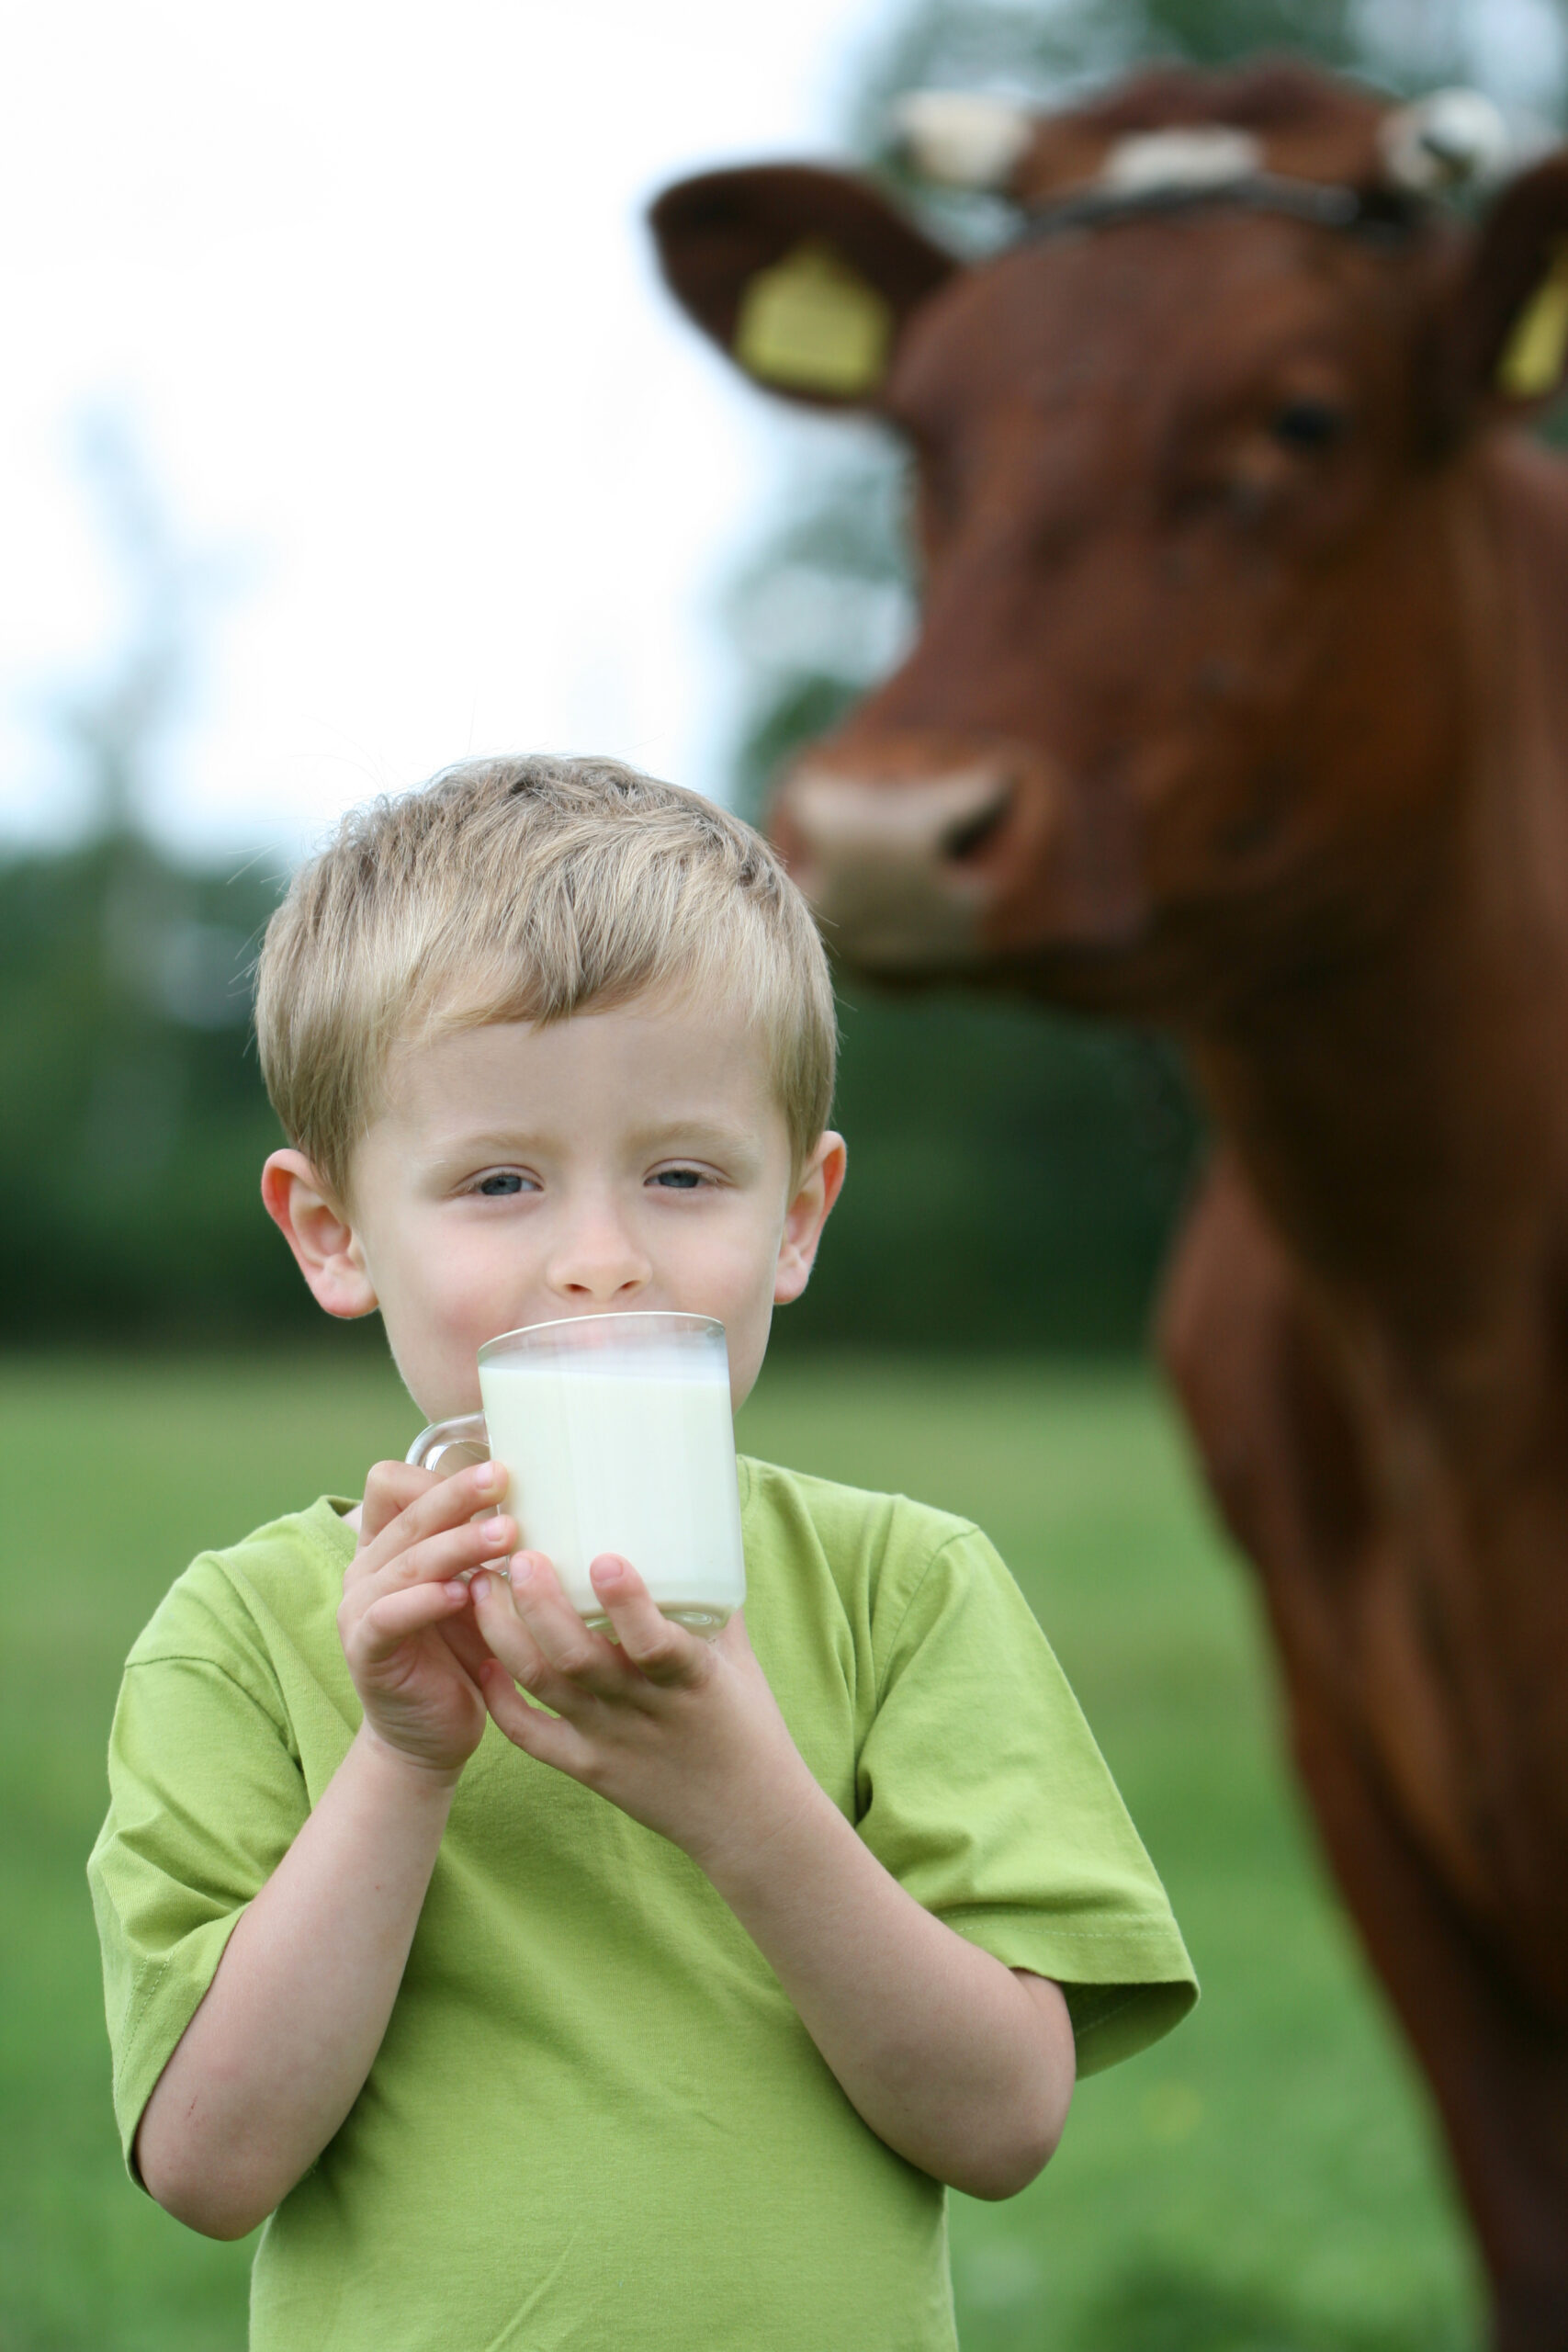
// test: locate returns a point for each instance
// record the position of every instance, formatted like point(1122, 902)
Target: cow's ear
point(1510, 340)
point(803, 278)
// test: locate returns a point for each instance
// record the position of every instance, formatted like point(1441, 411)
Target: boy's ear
point(1507, 328)
point(820, 1182)
point(323, 1241)
point(803, 278)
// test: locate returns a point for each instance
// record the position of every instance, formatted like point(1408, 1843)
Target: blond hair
point(528, 890)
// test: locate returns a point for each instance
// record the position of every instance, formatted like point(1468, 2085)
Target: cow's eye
point(1309, 424)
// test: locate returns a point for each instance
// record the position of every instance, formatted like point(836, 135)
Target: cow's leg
point(1277, 1436)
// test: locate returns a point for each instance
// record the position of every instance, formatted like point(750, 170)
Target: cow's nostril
point(969, 836)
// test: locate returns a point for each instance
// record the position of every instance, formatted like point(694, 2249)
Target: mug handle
point(465, 1438)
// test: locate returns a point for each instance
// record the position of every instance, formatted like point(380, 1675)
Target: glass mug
point(618, 1434)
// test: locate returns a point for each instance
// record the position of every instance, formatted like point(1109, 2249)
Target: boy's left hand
point(963, 2066)
point(682, 1734)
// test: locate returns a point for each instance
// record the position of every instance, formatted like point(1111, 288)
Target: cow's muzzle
point(897, 871)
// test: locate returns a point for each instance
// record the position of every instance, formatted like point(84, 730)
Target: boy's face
point(633, 1158)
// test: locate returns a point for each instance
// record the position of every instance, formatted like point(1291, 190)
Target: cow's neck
point(1402, 1119)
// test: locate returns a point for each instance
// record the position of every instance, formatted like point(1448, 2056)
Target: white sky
point(368, 292)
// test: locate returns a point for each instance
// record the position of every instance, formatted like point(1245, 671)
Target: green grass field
point(1263, 2182)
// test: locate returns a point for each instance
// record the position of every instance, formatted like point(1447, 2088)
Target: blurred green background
point(1267, 2181)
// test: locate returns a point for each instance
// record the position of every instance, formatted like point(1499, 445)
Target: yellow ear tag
point(814, 324)
point(1531, 364)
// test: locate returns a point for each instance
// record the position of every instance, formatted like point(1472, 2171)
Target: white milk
point(627, 1453)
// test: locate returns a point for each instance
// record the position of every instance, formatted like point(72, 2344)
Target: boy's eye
point(678, 1180)
point(504, 1181)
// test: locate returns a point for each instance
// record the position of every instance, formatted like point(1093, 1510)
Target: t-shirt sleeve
point(982, 1790)
point(206, 1797)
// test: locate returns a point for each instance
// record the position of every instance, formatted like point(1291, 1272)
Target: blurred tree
point(1015, 1175)
point(135, 1119)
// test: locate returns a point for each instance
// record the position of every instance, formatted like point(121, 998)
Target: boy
point(662, 2016)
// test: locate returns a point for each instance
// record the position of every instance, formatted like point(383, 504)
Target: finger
point(389, 1488)
point(456, 1551)
point(508, 1640)
point(547, 1737)
point(462, 1636)
point(584, 1659)
point(392, 1487)
point(659, 1649)
point(394, 1619)
point(442, 1503)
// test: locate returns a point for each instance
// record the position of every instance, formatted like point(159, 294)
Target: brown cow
point(1236, 707)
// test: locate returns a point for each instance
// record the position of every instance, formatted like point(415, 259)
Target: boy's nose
point(597, 1263)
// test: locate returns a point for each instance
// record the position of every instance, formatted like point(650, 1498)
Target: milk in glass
point(625, 1447)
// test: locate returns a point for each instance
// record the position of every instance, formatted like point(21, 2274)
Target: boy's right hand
point(400, 1597)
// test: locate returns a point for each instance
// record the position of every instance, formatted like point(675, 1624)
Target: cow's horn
point(960, 138)
point(1450, 139)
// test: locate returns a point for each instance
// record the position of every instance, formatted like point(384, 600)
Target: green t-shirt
point(595, 2120)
